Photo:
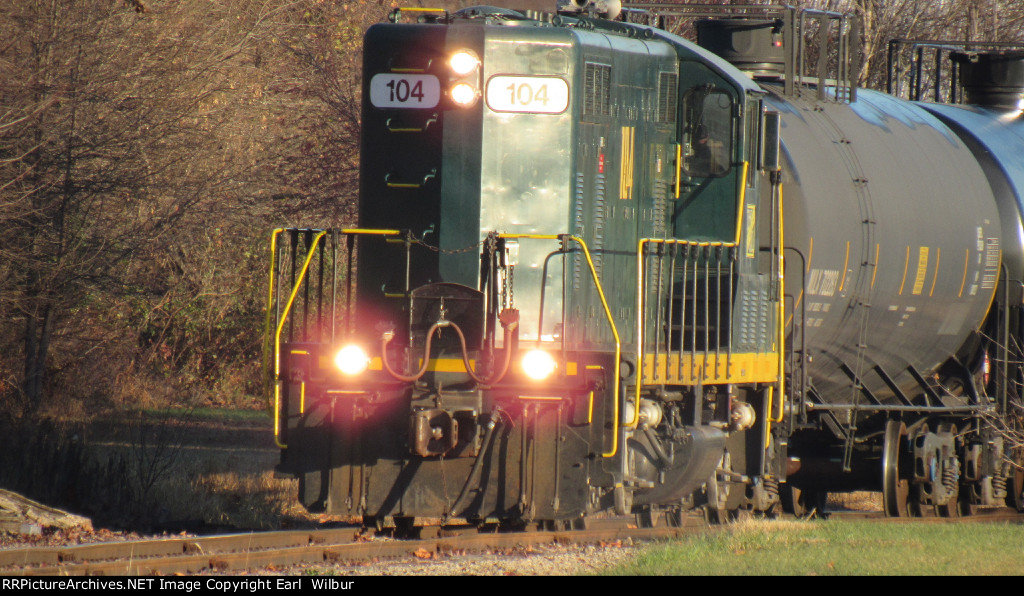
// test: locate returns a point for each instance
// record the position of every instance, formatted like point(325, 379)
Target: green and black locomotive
point(600, 267)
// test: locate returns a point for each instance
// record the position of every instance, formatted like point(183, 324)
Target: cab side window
point(707, 132)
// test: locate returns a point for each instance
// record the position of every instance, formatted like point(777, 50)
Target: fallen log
point(25, 516)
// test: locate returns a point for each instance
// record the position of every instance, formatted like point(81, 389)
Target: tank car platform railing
point(832, 39)
point(914, 67)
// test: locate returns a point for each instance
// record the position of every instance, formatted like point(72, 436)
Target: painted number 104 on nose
point(404, 91)
point(537, 95)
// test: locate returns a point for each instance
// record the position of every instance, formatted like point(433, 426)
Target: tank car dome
point(752, 45)
point(994, 80)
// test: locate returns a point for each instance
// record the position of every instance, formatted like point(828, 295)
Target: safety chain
point(437, 249)
point(504, 291)
point(510, 273)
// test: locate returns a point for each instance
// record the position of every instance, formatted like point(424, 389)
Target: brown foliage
point(140, 153)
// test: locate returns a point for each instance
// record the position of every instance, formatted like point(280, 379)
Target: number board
point(533, 95)
point(404, 91)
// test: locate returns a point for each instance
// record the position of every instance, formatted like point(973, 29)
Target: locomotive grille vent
point(668, 89)
point(599, 217)
point(660, 192)
point(578, 209)
point(598, 90)
point(753, 321)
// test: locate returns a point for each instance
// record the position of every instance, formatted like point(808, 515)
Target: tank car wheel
point(578, 523)
point(895, 487)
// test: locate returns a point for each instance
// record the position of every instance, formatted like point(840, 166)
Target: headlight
point(463, 62)
point(463, 94)
point(351, 360)
point(538, 364)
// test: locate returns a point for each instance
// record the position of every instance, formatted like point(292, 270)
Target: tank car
point(601, 267)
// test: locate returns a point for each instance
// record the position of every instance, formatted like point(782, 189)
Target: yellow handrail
point(266, 340)
point(291, 299)
point(370, 231)
point(780, 336)
point(781, 323)
point(608, 315)
point(640, 284)
point(270, 297)
point(277, 336)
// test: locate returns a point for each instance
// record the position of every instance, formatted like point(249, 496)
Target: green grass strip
point(833, 547)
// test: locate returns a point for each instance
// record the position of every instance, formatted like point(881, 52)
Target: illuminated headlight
point(538, 364)
point(351, 360)
point(463, 94)
point(463, 62)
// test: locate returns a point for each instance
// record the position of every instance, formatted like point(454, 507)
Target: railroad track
point(236, 553)
point(240, 552)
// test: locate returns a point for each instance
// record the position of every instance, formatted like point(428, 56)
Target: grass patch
point(211, 414)
point(156, 469)
point(833, 547)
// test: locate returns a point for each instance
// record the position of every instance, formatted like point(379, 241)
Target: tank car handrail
point(915, 69)
point(608, 314)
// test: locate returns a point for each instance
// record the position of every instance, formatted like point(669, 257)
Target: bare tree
point(109, 142)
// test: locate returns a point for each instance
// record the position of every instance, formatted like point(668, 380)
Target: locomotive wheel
point(895, 488)
point(716, 512)
point(1015, 488)
point(374, 523)
point(714, 516)
point(801, 503)
point(405, 527)
point(562, 525)
point(646, 517)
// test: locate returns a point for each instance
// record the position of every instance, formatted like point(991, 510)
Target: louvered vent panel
point(667, 92)
point(597, 98)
